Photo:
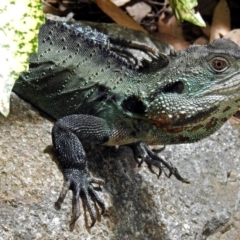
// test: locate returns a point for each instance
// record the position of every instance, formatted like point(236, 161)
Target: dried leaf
point(235, 120)
point(170, 31)
point(206, 30)
point(118, 15)
point(201, 41)
point(120, 3)
point(138, 11)
point(221, 23)
point(48, 8)
point(234, 35)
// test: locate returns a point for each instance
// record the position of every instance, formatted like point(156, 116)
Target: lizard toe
point(80, 184)
point(150, 157)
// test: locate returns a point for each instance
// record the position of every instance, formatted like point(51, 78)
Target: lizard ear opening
point(134, 105)
point(177, 87)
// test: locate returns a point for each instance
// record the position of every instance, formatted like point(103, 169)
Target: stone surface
point(139, 205)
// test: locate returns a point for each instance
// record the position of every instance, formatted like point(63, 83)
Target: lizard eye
point(219, 64)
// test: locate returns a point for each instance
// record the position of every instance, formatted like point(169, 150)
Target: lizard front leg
point(67, 134)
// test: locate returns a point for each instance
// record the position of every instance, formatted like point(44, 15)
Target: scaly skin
point(102, 95)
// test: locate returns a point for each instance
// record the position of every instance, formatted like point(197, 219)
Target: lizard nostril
point(176, 87)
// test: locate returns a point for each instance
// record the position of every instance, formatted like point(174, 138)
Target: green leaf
point(19, 24)
point(184, 10)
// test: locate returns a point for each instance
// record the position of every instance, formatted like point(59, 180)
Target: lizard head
point(198, 91)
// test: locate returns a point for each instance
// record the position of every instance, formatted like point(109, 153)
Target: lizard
point(101, 95)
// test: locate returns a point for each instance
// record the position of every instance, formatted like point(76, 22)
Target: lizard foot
point(142, 151)
point(80, 183)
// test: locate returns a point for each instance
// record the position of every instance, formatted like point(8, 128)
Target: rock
point(139, 205)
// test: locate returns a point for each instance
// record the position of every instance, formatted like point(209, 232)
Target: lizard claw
point(80, 183)
point(142, 151)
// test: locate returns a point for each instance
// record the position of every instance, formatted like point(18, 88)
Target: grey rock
point(139, 205)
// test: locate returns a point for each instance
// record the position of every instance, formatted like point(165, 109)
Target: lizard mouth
point(179, 122)
point(200, 116)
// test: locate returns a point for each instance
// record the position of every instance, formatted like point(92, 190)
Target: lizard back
point(75, 70)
